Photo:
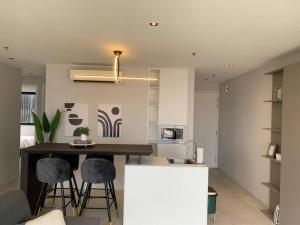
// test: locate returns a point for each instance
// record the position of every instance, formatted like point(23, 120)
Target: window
point(28, 105)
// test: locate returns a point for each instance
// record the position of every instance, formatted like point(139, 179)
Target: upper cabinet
point(173, 96)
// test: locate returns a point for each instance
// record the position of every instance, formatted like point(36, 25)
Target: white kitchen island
point(159, 193)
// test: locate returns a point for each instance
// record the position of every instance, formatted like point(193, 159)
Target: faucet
point(194, 149)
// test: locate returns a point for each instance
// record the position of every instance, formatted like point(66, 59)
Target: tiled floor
point(235, 206)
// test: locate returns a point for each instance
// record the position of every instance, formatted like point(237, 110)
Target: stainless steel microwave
point(170, 134)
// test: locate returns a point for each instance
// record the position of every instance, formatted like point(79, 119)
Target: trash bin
point(212, 202)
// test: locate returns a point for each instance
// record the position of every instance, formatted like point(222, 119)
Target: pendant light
point(117, 76)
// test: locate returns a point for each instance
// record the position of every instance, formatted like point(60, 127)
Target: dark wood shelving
point(272, 129)
point(272, 187)
point(272, 159)
point(275, 72)
point(273, 101)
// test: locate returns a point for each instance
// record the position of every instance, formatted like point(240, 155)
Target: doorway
point(206, 125)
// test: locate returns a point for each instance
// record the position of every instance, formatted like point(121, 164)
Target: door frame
point(217, 121)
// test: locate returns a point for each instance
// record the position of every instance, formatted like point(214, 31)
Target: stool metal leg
point(73, 201)
point(40, 200)
point(85, 197)
point(89, 194)
point(113, 193)
point(75, 185)
point(44, 196)
point(81, 193)
point(54, 193)
point(107, 202)
point(63, 198)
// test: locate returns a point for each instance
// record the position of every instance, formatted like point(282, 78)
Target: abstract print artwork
point(109, 120)
point(76, 117)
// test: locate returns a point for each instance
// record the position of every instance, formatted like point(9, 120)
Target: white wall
point(10, 101)
point(242, 115)
point(132, 95)
point(203, 86)
point(242, 141)
point(173, 97)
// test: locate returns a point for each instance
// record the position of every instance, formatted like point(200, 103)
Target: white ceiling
point(243, 32)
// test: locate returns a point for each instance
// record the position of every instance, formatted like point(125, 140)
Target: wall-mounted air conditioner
point(105, 76)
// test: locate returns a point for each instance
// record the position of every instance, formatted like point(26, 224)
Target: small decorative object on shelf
point(277, 94)
point(84, 132)
point(272, 150)
point(80, 143)
point(278, 156)
point(276, 215)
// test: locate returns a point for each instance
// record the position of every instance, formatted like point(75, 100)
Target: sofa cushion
point(82, 221)
point(14, 207)
point(55, 217)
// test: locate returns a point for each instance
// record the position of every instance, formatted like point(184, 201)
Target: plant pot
point(84, 137)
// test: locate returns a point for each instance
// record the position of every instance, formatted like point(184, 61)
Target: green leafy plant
point(45, 131)
point(85, 130)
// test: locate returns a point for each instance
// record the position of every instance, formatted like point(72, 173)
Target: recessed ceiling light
point(153, 24)
point(11, 58)
point(232, 65)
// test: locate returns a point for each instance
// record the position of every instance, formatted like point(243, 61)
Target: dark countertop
point(105, 149)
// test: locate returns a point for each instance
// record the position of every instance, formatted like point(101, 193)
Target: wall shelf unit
point(276, 133)
point(272, 159)
point(272, 187)
point(153, 108)
point(274, 101)
point(272, 129)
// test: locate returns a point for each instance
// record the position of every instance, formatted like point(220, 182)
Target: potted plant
point(45, 130)
point(84, 132)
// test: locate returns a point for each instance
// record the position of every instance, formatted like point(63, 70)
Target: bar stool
point(98, 171)
point(53, 171)
point(107, 157)
point(74, 161)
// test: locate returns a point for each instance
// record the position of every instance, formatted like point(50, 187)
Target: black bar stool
point(98, 171)
point(53, 171)
point(107, 157)
point(74, 161)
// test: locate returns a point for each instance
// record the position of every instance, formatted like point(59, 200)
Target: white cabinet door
point(173, 96)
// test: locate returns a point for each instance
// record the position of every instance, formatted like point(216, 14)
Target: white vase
point(84, 137)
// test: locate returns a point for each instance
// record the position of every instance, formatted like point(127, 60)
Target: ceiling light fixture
point(153, 24)
point(117, 76)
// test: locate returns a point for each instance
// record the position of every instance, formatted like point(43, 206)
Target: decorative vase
point(84, 137)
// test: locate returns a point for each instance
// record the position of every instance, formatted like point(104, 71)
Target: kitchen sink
point(180, 161)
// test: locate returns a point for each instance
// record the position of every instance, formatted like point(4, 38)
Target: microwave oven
point(170, 134)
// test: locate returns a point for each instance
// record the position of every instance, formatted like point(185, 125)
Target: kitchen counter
point(157, 161)
point(160, 193)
